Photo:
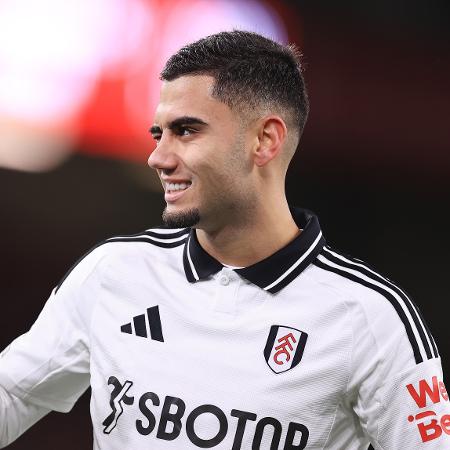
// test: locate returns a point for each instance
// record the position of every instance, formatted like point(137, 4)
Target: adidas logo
point(140, 325)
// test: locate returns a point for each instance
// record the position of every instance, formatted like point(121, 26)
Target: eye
point(156, 133)
point(184, 131)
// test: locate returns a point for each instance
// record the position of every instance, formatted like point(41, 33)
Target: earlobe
point(272, 134)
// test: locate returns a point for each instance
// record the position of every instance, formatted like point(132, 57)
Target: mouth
point(173, 191)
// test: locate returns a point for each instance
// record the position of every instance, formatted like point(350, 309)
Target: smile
point(173, 191)
point(170, 187)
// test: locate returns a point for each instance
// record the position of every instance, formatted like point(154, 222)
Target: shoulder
point(355, 278)
point(387, 308)
point(117, 250)
point(157, 237)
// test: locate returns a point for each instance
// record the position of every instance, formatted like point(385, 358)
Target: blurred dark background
point(374, 164)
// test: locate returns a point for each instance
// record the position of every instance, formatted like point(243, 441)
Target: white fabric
point(349, 387)
point(16, 416)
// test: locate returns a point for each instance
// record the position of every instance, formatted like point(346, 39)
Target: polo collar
point(272, 273)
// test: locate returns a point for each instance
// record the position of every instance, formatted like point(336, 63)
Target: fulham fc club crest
point(284, 347)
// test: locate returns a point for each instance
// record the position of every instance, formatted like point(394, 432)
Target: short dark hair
point(250, 70)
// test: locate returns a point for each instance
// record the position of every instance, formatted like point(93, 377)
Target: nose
point(162, 158)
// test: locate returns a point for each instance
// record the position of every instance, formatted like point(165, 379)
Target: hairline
point(239, 106)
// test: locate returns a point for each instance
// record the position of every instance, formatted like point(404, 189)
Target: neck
point(253, 241)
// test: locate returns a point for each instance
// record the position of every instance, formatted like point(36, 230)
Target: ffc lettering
point(282, 349)
point(243, 426)
point(429, 425)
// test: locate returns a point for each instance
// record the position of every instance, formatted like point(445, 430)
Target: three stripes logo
point(145, 325)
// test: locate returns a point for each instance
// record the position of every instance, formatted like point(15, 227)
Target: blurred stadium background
point(78, 85)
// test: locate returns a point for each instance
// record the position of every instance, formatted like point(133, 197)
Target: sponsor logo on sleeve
point(426, 394)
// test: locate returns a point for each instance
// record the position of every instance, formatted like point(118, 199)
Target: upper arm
point(397, 385)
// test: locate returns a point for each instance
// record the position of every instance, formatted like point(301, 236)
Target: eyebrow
point(178, 122)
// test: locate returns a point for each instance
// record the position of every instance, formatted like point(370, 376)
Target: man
point(235, 327)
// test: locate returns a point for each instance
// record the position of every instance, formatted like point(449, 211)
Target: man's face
point(201, 156)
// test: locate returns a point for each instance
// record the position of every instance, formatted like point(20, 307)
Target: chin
point(181, 219)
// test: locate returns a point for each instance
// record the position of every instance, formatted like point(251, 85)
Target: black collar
point(272, 273)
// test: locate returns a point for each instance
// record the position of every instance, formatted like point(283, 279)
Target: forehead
point(190, 96)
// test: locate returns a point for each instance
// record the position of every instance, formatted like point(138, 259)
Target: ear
point(272, 133)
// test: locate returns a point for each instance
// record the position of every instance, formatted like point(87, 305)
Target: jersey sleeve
point(49, 365)
point(16, 416)
point(396, 386)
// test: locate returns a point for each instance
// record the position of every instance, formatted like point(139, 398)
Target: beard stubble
point(182, 219)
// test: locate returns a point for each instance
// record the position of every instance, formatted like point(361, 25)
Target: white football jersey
point(305, 349)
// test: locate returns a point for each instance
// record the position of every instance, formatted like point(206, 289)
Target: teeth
point(176, 186)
